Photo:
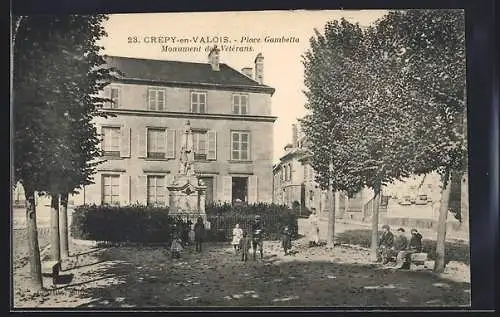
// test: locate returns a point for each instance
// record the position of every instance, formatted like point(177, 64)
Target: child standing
point(245, 244)
point(237, 235)
point(176, 248)
point(286, 240)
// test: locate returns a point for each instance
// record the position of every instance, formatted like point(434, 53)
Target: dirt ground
point(121, 277)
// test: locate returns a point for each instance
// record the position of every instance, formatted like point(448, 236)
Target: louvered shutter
point(141, 189)
point(168, 180)
point(170, 143)
point(252, 189)
point(227, 187)
point(212, 145)
point(160, 96)
point(142, 143)
point(124, 190)
point(125, 142)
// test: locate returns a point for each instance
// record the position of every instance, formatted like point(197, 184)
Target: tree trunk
point(376, 205)
point(464, 201)
point(32, 235)
point(63, 225)
point(331, 219)
point(55, 242)
point(439, 264)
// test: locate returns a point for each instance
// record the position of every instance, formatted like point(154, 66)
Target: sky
point(283, 69)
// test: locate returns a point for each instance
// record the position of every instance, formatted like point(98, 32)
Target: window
point(156, 190)
point(156, 143)
point(198, 102)
point(240, 104)
point(111, 141)
point(200, 145)
point(240, 146)
point(115, 95)
point(111, 189)
point(156, 100)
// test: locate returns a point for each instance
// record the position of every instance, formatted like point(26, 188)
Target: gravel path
point(147, 277)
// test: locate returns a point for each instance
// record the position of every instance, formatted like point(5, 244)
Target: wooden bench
point(51, 268)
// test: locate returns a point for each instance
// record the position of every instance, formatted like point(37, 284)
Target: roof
point(166, 71)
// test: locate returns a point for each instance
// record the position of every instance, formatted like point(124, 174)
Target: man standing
point(257, 237)
point(199, 233)
point(385, 244)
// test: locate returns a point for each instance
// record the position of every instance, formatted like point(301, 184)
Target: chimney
point(294, 135)
point(247, 71)
point(213, 58)
point(259, 68)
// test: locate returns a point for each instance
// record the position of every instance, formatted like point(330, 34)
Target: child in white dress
point(237, 235)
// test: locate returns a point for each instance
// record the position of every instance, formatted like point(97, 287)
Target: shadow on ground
point(147, 277)
point(455, 251)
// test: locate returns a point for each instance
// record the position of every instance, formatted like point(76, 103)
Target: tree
point(358, 123)
point(76, 55)
point(432, 44)
point(57, 73)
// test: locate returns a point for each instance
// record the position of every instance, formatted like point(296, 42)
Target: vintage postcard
point(240, 159)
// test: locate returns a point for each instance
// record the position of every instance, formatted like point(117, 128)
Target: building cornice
point(188, 115)
point(181, 84)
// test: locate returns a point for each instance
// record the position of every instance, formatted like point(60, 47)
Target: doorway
point(240, 189)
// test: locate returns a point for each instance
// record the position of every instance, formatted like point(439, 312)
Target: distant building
point(294, 181)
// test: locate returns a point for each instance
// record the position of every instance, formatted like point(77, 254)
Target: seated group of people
point(399, 247)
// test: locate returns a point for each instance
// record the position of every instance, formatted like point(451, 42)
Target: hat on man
point(386, 227)
point(401, 230)
point(414, 230)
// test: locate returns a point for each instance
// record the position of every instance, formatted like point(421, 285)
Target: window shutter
point(142, 143)
point(252, 189)
point(161, 99)
point(168, 180)
point(141, 189)
point(227, 187)
point(124, 190)
point(170, 144)
point(93, 192)
point(151, 99)
point(125, 142)
point(212, 145)
point(106, 93)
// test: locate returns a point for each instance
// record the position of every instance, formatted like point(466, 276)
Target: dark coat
point(286, 240)
point(400, 243)
point(256, 226)
point(416, 242)
point(386, 240)
point(199, 231)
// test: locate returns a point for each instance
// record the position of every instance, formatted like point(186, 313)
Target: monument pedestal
point(187, 197)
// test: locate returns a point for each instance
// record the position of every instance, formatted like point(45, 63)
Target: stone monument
point(187, 192)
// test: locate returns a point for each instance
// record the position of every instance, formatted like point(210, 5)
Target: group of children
point(242, 242)
point(196, 235)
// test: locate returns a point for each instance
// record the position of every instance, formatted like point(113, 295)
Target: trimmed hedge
point(133, 223)
point(137, 223)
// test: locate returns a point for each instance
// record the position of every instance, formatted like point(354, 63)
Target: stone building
point(230, 115)
point(294, 181)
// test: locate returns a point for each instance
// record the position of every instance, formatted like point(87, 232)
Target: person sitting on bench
point(400, 249)
point(415, 241)
point(415, 246)
point(385, 243)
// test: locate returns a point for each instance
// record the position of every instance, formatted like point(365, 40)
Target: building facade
point(229, 113)
point(294, 182)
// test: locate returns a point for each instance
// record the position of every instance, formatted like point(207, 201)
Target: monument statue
point(187, 154)
point(186, 192)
